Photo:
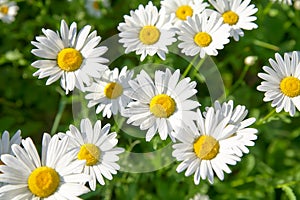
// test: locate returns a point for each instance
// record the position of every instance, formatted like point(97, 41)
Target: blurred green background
point(270, 171)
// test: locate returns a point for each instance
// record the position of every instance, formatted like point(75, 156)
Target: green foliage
point(270, 171)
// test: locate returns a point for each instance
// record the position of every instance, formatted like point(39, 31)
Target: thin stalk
point(189, 67)
point(263, 120)
point(240, 80)
point(61, 108)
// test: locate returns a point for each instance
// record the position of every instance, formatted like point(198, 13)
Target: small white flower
point(200, 197)
point(203, 34)
point(110, 92)
point(8, 11)
point(182, 9)
point(96, 146)
point(162, 104)
point(75, 59)
point(55, 176)
point(94, 7)
point(147, 32)
point(216, 142)
point(238, 14)
point(282, 83)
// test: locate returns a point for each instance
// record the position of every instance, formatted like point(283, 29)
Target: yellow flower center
point(290, 86)
point(69, 59)
point(113, 90)
point(162, 106)
point(96, 5)
point(149, 35)
point(202, 39)
point(230, 17)
point(183, 12)
point(90, 153)
point(43, 181)
point(4, 9)
point(206, 147)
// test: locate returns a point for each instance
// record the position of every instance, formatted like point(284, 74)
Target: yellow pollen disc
point(96, 5)
point(113, 90)
point(149, 35)
point(69, 59)
point(4, 9)
point(90, 153)
point(43, 181)
point(230, 17)
point(290, 86)
point(202, 39)
point(183, 12)
point(162, 106)
point(206, 147)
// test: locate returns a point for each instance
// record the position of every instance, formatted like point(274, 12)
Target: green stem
point(189, 67)
point(240, 80)
point(198, 66)
point(266, 45)
point(61, 108)
point(263, 120)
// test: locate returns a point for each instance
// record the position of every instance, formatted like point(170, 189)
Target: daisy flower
point(162, 104)
point(55, 176)
point(238, 14)
point(210, 146)
point(8, 11)
point(73, 58)
point(202, 35)
point(96, 146)
point(110, 92)
point(147, 32)
point(288, 2)
point(94, 7)
point(282, 83)
point(183, 9)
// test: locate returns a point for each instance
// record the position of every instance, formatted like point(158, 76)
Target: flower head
point(238, 14)
point(55, 176)
point(202, 35)
point(215, 143)
point(110, 93)
point(282, 83)
point(96, 146)
point(8, 11)
point(95, 7)
point(162, 104)
point(182, 9)
point(75, 59)
point(147, 31)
